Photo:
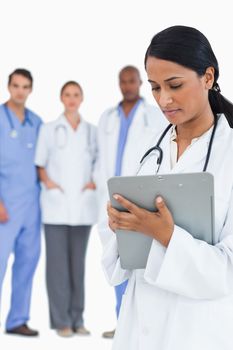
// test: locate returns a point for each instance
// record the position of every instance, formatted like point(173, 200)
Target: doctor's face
point(181, 94)
point(19, 88)
point(129, 82)
point(72, 98)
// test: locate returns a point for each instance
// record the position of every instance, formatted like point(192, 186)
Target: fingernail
point(159, 199)
point(115, 196)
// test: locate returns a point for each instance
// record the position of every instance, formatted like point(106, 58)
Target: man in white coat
point(119, 130)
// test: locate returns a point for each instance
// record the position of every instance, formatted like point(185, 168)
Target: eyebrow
point(166, 80)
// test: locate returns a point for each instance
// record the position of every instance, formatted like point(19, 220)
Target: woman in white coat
point(183, 299)
point(65, 157)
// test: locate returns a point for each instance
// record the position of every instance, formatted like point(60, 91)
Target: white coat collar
point(196, 153)
point(112, 121)
point(62, 120)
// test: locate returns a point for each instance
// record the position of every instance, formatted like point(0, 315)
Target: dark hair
point(71, 82)
point(188, 47)
point(130, 68)
point(21, 71)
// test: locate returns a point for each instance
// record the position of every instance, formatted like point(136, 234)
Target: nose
point(164, 99)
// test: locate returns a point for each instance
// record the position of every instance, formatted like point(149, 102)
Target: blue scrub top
point(125, 122)
point(18, 174)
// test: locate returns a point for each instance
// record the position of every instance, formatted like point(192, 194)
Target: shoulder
point(91, 129)
point(107, 113)
point(155, 117)
point(2, 112)
point(48, 128)
point(1, 108)
point(89, 125)
point(151, 108)
point(35, 118)
point(225, 132)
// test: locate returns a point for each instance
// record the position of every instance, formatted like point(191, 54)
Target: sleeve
point(193, 268)
point(42, 147)
point(111, 263)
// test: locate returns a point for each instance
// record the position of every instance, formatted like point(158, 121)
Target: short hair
point(130, 68)
point(71, 82)
point(21, 71)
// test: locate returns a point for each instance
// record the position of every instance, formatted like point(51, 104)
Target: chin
point(20, 101)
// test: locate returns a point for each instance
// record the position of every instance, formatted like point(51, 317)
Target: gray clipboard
point(190, 198)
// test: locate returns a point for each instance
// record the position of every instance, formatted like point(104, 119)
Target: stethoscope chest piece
point(13, 134)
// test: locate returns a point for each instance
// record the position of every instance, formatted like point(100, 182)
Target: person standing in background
point(119, 130)
point(19, 195)
point(65, 157)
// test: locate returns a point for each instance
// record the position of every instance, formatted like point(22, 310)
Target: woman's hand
point(89, 186)
point(159, 225)
point(50, 185)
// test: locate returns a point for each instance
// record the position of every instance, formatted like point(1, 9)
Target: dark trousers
point(65, 269)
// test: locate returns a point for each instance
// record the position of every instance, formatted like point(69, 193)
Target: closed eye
point(175, 86)
point(153, 88)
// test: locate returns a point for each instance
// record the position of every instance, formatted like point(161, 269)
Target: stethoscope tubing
point(160, 151)
point(13, 132)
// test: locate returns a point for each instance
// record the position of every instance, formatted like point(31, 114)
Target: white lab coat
point(68, 156)
point(183, 299)
point(147, 120)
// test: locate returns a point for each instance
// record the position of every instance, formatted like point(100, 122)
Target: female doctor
point(65, 157)
point(183, 299)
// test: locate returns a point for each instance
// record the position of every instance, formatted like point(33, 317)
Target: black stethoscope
point(13, 132)
point(158, 149)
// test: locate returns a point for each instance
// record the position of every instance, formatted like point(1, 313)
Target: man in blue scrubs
point(19, 199)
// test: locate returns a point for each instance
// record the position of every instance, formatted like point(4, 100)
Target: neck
point(127, 105)
point(17, 108)
point(73, 118)
point(195, 128)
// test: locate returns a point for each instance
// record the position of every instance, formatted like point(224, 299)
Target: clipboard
point(189, 197)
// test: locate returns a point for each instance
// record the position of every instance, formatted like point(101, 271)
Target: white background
point(90, 41)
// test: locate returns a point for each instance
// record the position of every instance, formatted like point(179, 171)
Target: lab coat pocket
point(89, 207)
point(53, 206)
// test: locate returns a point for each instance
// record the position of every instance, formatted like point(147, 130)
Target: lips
point(171, 112)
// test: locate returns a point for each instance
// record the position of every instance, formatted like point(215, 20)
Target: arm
point(43, 176)
point(3, 213)
point(42, 157)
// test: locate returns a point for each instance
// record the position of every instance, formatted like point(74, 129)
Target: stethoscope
point(13, 131)
point(110, 127)
point(159, 150)
point(61, 136)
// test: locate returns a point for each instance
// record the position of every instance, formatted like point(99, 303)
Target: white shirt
point(68, 156)
point(174, 146)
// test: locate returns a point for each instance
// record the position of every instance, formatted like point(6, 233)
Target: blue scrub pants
point(120, 290)
point(20, 236)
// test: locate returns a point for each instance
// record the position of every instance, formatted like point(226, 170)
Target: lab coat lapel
point(112, 134)
point(194, 155)
point(165, 166)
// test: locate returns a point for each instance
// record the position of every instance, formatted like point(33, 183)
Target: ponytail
point(220, 105)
